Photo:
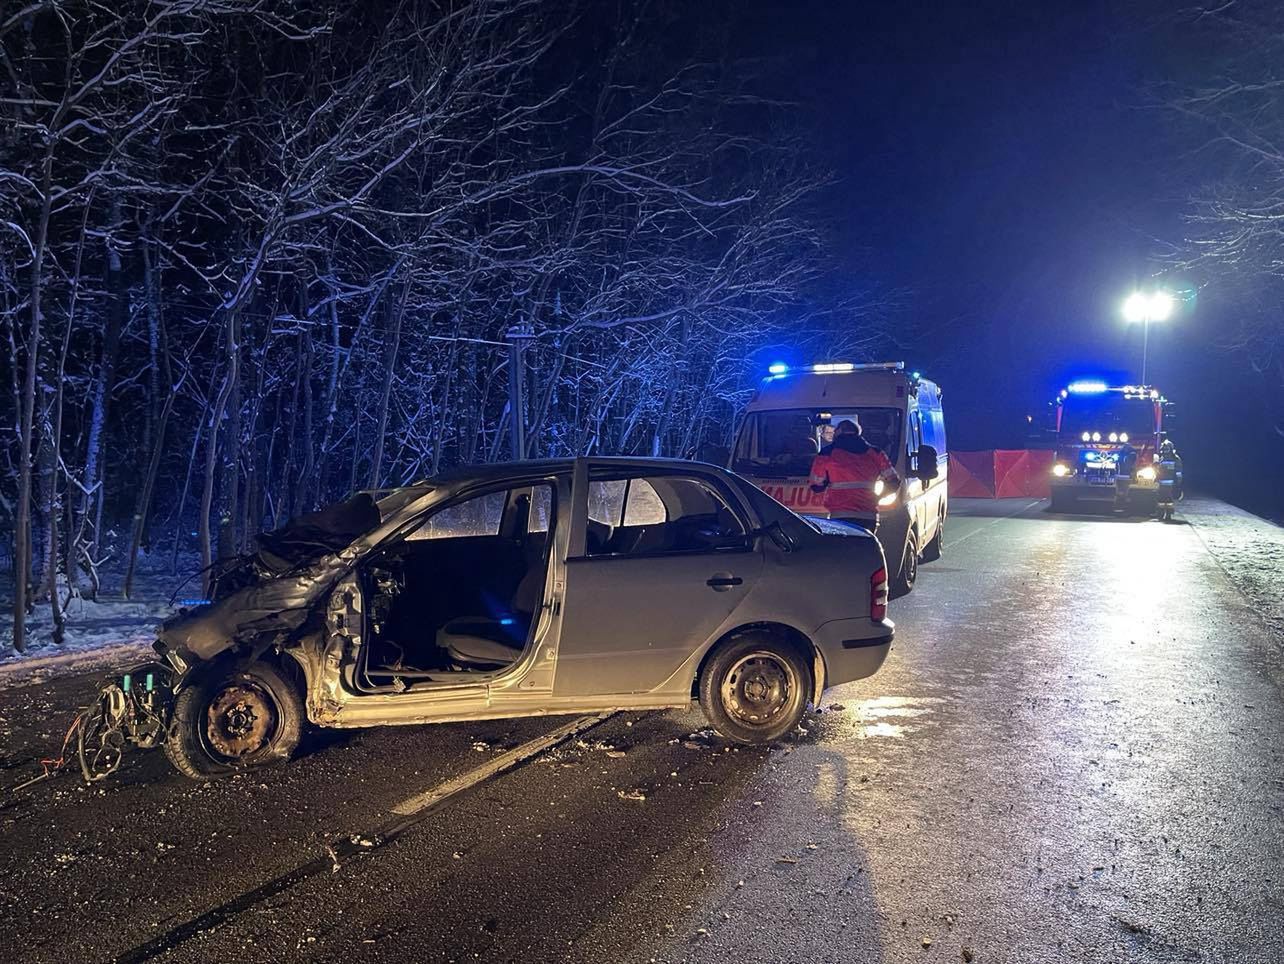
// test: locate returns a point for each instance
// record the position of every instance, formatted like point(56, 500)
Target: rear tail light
point(878, 595)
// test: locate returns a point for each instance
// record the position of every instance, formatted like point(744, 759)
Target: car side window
point(606, 501)
point(643, 505)
point(479, 516)
point(541, 511)
point(663, 514)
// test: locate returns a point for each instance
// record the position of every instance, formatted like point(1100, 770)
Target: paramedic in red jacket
point(853, 475)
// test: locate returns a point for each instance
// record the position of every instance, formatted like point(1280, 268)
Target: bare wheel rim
point(758, 688)
point(241, 720)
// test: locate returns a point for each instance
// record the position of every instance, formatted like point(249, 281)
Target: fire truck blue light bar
point(1087, 387)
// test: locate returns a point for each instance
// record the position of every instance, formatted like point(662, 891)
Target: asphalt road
point(1072, 754)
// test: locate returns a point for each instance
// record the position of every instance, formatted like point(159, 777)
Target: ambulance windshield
point(781, 445)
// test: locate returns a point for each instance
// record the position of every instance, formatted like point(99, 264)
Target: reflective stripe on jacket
point(850, 479)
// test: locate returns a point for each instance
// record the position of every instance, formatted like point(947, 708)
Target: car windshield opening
point(782, 444)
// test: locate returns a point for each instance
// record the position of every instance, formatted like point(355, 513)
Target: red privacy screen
point(1000, 474)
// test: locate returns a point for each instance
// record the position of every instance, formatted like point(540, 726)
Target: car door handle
point(723, 581)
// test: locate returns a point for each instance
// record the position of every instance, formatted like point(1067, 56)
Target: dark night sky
point(994, 159)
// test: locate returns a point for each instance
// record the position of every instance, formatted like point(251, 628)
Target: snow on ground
point(1249, 548)
point(99, 633)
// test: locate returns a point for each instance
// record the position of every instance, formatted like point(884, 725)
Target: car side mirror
point(777, 534)
point(925, 463)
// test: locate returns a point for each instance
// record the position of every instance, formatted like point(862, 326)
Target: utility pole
point(518, 336)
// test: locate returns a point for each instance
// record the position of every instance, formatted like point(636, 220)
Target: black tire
point(933, 550)
point(907, 572)
point(755, 688)
point(234, 718)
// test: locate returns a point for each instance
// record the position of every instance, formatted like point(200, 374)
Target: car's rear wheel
point(907, 574)
point(232, 719)
point(754, 688)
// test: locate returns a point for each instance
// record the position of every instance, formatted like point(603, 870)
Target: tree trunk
point(389, 369)
point(26, 423)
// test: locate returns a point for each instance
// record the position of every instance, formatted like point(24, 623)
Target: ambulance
point(793, 414)
point(1108, 449)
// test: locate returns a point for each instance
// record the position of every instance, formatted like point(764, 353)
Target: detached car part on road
point(511, 590)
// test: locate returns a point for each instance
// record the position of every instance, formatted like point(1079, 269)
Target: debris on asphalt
point(927, 942)
point(637, 795)
point(968, 955)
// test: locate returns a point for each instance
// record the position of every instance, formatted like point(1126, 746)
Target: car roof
point(499, 471)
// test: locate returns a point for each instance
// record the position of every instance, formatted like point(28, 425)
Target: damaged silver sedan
point(523, 589)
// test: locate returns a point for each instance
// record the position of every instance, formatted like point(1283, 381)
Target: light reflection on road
point(873, 714)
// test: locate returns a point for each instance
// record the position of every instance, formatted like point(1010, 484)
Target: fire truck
point(1110, 450)
point(793, 414)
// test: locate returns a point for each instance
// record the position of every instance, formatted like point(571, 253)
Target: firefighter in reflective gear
point(853, 475)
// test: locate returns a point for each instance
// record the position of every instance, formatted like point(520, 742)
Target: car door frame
point(508, 692)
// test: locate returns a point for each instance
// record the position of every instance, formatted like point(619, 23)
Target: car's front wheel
point(755, 687)
point(234, 718)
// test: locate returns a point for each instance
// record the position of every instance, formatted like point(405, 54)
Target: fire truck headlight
point(1123, 436)
point(1146, 473)
point(1087, 436)
point(887, 500)
point(1114, 436)
point(1060, 470)
point(1096, 436)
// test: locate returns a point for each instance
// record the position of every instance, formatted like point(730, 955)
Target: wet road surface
point(1074, 753)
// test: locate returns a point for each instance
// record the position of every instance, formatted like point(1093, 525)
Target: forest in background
point(257, 254)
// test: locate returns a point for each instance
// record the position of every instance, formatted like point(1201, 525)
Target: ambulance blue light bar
point(1087, 387)
point(777, 369)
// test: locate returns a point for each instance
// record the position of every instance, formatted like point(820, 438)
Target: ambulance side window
point(916, 431)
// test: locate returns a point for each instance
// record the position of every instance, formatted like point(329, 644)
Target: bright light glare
point(1114, 436)
point(1060, 470)
point(1087, 436)
point(830, 368)
point(1096, 436)
point(889, 499)
point(778, 368)
point(878, 486)
point(1123, 436)
point(1087, 387)
point(1155, 306)
point(1146, 473)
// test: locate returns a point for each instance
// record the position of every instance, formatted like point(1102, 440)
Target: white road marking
point(495, 766)
point(993, 522)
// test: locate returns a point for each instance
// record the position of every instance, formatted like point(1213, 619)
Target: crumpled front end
point(251, 618)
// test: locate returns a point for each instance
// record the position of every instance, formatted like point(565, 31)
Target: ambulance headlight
point(1114, 436)
point(1123, 436)
point(1096, 436)
point(1146, 473)
point(887, 500)
point(1087, 436)
point(1060, 470)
